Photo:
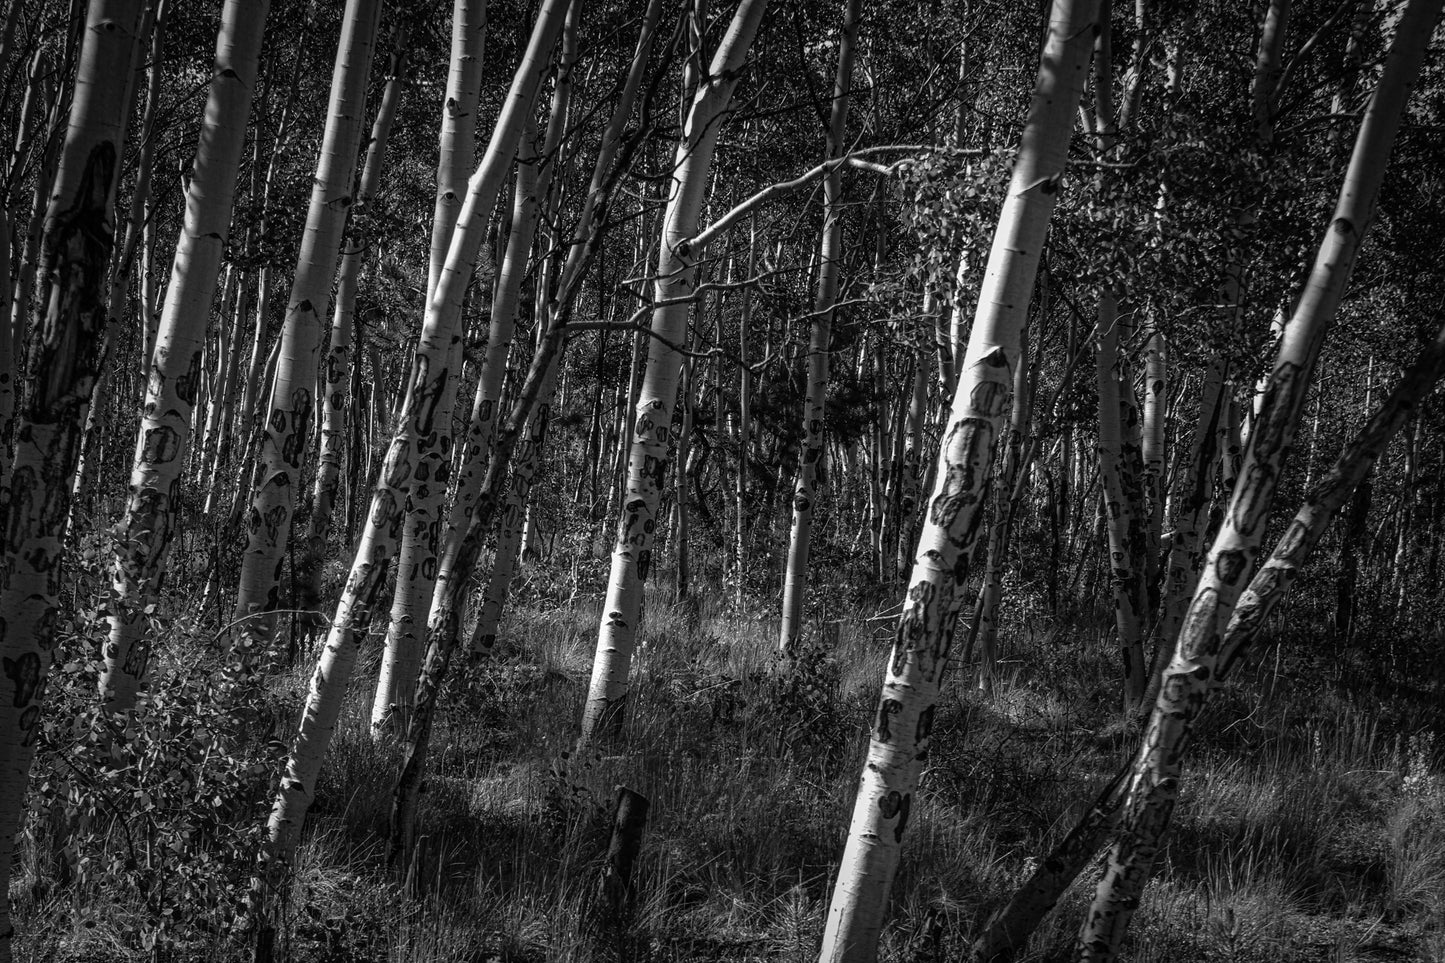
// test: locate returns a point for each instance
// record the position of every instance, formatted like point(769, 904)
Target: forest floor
point(1311, 825)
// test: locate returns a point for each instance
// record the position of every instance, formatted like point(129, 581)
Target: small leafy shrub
point(162, 816)
point(799, 696)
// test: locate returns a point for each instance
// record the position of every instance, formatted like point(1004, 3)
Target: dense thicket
point(1069, 363)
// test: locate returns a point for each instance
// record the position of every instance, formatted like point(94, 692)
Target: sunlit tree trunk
point(290, 411)
point(530, 412)
point(144, 533)
point(336, 369)
point(652, 424)
point(903, 722)
point(416, 428)
point(1154, 784)
point(481, 428)
point(419, 555)
point(75, 252)
point(1007, 931)
point(149, 36)
point(1324, 501)
point(795, 576)
point(1156, 402)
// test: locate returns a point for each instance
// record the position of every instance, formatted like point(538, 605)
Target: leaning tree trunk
point(290, 411)
point(830, 251)
point(417, 556)
point(144, 533)
point(379, 541)
point(1154, 783)
point(1009, 928)
point(482, 426)
point(904, 717)
point(647, 458)
point(75, 251)
point(532, 410)
point(336, 370)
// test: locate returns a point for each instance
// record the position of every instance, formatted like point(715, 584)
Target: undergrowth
point(1311, 827)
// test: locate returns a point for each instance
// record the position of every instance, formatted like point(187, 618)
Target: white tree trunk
point(290, 411)
point(904, 719)
point(1154, 784)
point(830, 250)
point(75, 250)
point(429, 373)
point(145, 530)
point(647, 459)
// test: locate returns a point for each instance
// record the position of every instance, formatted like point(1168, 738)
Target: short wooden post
point(616, 889)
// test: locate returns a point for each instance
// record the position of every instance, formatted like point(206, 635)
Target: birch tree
point(903, 723)
point(652, 423)
point(76, 243)
point(290, 412)
point(795, 577)
point(429, 372)
point(148, 525)
point(1154, 782)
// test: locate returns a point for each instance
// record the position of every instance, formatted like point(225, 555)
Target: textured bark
point(983, 631)
point(459, 128)
point(149, 36)
point(820, 336)
point(419, 557)
point(1324, 501)
point(429, 374)
point(527, 456)
point(1191, 500)
point(145, 531)
point(531, 411)
point(1121, 466)
point(336, 369)
point(290, 412)
point(651, 426)
point(482, 426)
point(1009, 928)
point(903, 723)
point(1154, 783)
point(75, 251)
